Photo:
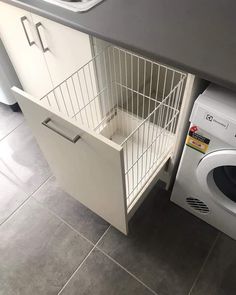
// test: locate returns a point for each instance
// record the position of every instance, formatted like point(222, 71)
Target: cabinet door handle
point(23, 19)
point(73, 140)
point(45, 49)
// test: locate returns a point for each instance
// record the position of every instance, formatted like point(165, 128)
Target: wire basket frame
point(130, 100)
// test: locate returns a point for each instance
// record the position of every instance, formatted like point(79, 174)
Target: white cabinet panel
point(17, 34)
point(90, 168)
point(68, 49)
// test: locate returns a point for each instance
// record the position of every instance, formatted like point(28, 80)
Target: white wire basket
point(132, 101)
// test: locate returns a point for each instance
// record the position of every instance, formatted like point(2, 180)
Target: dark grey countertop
point(195, 36)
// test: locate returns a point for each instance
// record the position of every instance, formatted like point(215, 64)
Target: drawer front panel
point(86, 166)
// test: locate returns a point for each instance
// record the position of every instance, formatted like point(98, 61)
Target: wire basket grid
point(129, 99)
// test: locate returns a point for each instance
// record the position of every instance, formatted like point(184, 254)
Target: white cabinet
point(107, 123)
point(43, 52)
point(20, 41)
point(109, 129)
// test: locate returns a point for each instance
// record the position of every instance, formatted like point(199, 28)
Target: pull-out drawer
point(108, 130)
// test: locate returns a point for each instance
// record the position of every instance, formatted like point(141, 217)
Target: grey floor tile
point(22, 160)
point(69, 209)
point(9, 120)
point(11, 197)
point(166, 246)
point(99, 276)
point(38, 253)
point(218, 277)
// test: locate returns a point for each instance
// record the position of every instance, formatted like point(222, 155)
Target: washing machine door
point(216, 174)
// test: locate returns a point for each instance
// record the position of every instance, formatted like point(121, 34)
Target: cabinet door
point(66, 50)
point(89, 168)
point(17, 34)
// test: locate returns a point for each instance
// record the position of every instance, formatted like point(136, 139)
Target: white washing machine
point(206, 180)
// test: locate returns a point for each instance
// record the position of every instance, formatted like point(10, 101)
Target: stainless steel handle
point(23, 19)
point(73, 140)
point(45, 49)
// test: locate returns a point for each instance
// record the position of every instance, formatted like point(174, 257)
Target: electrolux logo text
point(218, 121)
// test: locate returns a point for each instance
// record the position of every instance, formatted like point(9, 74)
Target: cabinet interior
point(130, 100)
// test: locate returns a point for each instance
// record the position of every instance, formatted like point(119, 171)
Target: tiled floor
point(51, 244)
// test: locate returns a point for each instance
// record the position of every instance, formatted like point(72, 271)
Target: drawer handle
point(45, 49)
point(73, 140)
point(23, 19)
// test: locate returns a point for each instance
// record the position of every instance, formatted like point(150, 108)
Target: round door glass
point(225, 180)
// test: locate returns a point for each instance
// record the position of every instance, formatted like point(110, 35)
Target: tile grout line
point(25, 201)
point(94, 246)
point(12, 130)
point(126, 270)
point(204, 263)
point(65, 222)
point(80, 265)
point(61, 219)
